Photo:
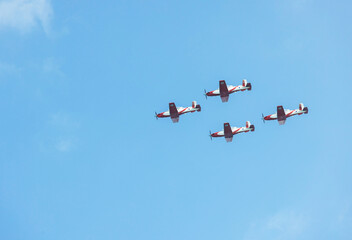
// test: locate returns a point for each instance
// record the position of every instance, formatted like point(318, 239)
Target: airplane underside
point(282, 122)
point(175, 120)
point(225, 98)
point(281, 115)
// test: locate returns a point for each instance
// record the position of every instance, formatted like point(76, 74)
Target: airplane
point(282, 114)
point(224, 91)
point(174, 112)
point(229, 131)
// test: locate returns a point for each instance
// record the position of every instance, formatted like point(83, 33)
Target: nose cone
point(214, 134)
point(267, 118)
point(160, 115)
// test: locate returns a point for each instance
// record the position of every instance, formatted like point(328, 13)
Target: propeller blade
point(263, 118)
point(205, 94)
point(211, 137)
point(156, 116)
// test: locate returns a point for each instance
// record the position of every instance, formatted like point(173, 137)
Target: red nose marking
point(210, 93)
point(267, 117)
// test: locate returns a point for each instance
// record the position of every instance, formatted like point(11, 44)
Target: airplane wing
point(281, 116)
point(173, 110)
point(175, 120)
point(227, 130)
point(224, 92)
point(223, 88)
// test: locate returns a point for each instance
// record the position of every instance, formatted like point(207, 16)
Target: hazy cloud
point(24, 15)
point(63, 129)
point(8, 69)
point(64, 145)
point(283, 225)
point(63, 120)
point(51, 66)
point(287, 224)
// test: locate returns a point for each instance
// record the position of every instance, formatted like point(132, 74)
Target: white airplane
point(174, 112)
point(282, 114)
point(224, 91)
point(229, 131)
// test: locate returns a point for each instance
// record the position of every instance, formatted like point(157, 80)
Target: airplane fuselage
point(225, 90)
point(282, 114)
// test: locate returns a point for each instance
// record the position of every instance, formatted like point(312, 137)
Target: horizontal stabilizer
point(252, 128)
point(305, 109)
point(198, 108)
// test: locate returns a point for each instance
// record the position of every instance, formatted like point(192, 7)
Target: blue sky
point(82, 156)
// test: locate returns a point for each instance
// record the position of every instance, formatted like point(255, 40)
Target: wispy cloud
point(280, 226)
point(51, 66)
point(287, 224)
point(65, 127)
point(64, 145)
point(9, 69)
point(63, 121)
point(24, 15)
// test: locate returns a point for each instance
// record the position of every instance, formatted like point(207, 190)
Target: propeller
point(211, 137)
point(205, 94)
point(156, 116)
point(263, 118)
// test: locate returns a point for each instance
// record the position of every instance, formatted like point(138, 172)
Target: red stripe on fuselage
point(236, 131)
point(181, 112)
point(288, 114)
point(233, 89)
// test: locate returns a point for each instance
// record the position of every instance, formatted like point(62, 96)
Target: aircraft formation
point(224, 92)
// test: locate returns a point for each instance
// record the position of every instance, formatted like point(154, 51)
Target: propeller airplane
point(282, 114)
point(229, 131)
point(225, 90)
point(174, 112)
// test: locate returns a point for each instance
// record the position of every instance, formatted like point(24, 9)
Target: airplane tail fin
point(194, 104)
point(197, 106)
point(248, 125)
point(244, 82)
point(301, 106)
